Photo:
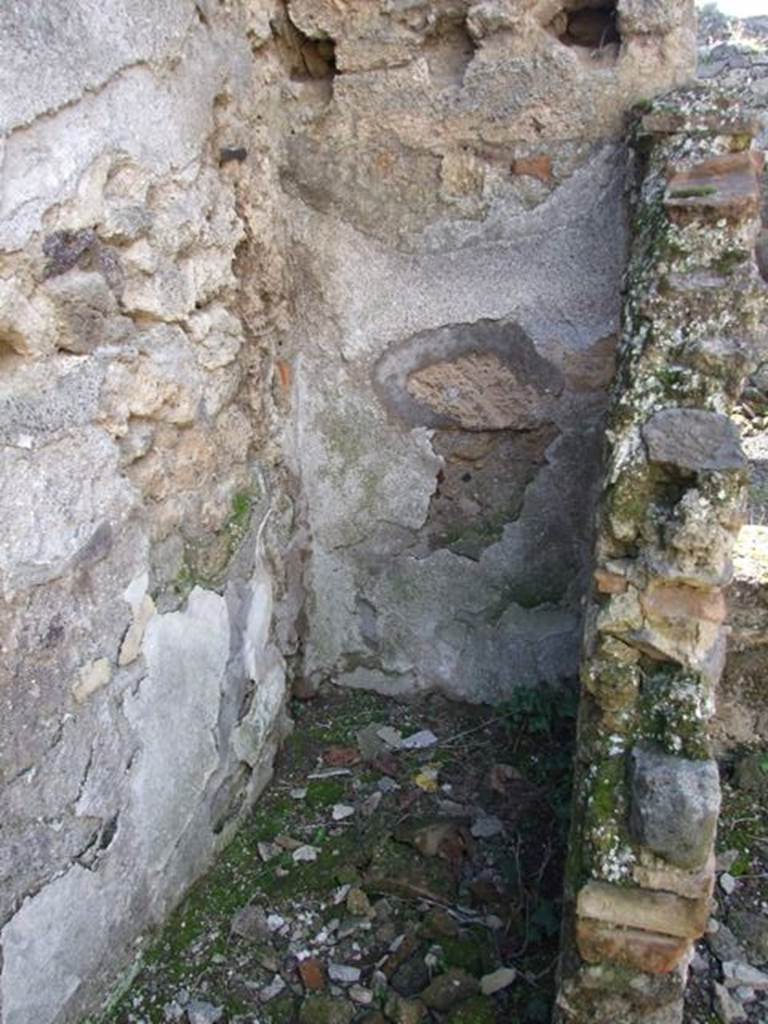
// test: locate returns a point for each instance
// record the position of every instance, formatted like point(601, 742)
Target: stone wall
point(732, 53)
point(307, 315)
point(457, 226)
point(641, 866)
point(141, 697)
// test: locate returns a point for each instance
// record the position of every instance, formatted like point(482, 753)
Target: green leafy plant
point(540, 710)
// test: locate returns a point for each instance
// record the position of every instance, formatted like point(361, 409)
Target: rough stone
point(693, 440)
point(675, 803)
point(652, 873)
point(91, 678)
point(496, 981)
point(650, 911)
point(737, 974)
point(199, 1012)
point(751, 929)
point(641, 950)
point(444, 991)
point(725, 945)
point(326, 1010)
point(404, 1011)
point(728, 1009)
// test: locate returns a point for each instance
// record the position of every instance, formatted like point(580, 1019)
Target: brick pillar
point(641, 865)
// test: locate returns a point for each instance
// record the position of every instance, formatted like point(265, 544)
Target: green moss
point(729, 260)
point(740, 142)
point(325, 793)
point(207, 559)
point(672, 713)
point(693, 192)
point(628, 502)
point(477, 1010)
point(472, 953)
point(280, 1011)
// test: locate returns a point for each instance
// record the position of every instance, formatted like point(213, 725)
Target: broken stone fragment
point(343, 974)
point(131, 645)
point(728, 1009)
point(250, 923)
point(693, 440)
point(752, 929)
point(272, 990)
point(675, 804)
point(312, 974)
point(404, 1011)
point(736, 974)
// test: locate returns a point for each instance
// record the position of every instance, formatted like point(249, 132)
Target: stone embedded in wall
point(660, 912)
point(675, 804)
point(631, 947)
point(91, 678)
point(725, 186)
point(656, 873)
point(693, 440)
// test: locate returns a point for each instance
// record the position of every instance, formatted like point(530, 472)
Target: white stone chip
point(392, 737)
point(497, 980)
point(274, 988)
point(343, 974)
point(361, 996)
point(727, 883)
point(268, 851)
point(342, 811)
point(305, 854)
point(419, 740)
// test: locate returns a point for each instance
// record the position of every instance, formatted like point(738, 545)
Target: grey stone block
point(675, 803)
point(694, 440)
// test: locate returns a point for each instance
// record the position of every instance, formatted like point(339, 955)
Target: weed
point(540, 710)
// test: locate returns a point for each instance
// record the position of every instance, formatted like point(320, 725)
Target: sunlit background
point(741, 8)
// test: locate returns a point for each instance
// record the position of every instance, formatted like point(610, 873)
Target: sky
point(742, 8)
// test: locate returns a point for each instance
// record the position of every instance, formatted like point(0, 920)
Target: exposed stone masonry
point(647, 794)
point(308, 312)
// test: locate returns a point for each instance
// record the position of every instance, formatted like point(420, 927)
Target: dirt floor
point(404, 865)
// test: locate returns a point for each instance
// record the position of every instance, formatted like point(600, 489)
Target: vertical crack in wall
point(641, 864)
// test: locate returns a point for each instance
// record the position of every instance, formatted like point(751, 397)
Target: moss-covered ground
point(451, 858)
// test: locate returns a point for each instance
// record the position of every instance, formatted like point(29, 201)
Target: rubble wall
point(457, 225)
point(647, 793)
point(141, 695)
